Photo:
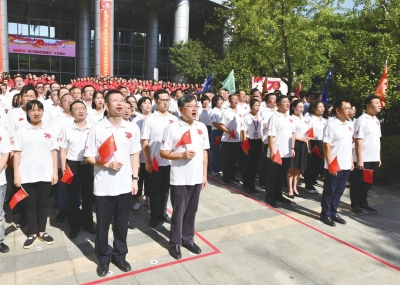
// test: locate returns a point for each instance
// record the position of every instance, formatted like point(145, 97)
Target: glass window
point(38, 28)
point(164, 41)
point(137, 69)
point(67, 64)
point(124, 52)
point(163, 55)
point(39, 63)
point(124, 68)
point(138, 39)
point(23, 62)
point(137, 53)
point(36, 11)
point(138, 25)
point(115, 51)
point(124, 37)
point(67, 31)
point(13, 61)
point(67, 15)
point(65, 77)
point(55, 63)
point(12, 8)
point(54, 29)
point(116, 71)
point(23, 27)
point(54, 13)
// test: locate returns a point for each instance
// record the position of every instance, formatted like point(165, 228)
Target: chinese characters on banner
point(105, 37)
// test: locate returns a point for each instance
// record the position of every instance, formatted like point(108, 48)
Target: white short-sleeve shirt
point(153, 130)
point(5, 148)
point(368, 128)
point(35, 145)
point(205, 116)
point(339, 135)
point(186, 171)
point(16, 118)
point(138, 120)
point(215, 117)
point(252, 125)
point(281, 127)
point(266, 114)
point(318, 124)
point(74, 139)
point(108, 182)
point(232, 120)
point(301, 126)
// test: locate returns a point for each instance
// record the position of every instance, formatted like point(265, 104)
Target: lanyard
point(255, 128)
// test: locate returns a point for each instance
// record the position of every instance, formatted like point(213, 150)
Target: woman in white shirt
point(205, 113)
point(298, 163)
point(98, 108)
point(35, 169)
point(132, 100)
point(215, 135)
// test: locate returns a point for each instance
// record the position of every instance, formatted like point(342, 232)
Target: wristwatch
point(135, 178)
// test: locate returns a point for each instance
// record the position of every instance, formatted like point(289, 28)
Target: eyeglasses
point(39, 87)
point(164, 100)
point(191, 107)
point(79, 109)
point(117, 101)
point(68, 100)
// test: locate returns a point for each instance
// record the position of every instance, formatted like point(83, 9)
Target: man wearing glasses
point(152, 133)
point(40, 90)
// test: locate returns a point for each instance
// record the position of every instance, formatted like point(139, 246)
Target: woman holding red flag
point(251, 137)
point(36, 169)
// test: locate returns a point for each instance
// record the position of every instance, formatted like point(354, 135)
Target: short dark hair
point(86, 86)
point(254, 90)
point(313, 106)
point(59, 90)
point(141, 101)
point(294, 105)
point(158, 92)
point(266, 98)
point(253, 101)
point(204, 98)
point(280, 98)
point(30, 105)
point(109, 93)
point(337, 105)
point(76, 102)
point(230, 96)
point(215, 99)
point(368, 99)
point(26, 88)
point(186, 99)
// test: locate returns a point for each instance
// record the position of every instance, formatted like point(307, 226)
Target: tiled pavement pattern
point(258, 246)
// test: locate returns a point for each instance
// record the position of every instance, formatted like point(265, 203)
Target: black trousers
point(107, 208)
point(230, 159)
point(37, 205)
point(276, 177)
point(263, 166)
point(143, 180)
point(159, 191)
point(314, 164)
point(185, 201)
point(250, 164)
point(358, 188)
point(82, 183)
point(21, 207)
point(333, 190)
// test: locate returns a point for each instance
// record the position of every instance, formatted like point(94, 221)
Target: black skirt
point(301, 154)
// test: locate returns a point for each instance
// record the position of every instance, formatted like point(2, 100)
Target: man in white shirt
point(113, 184)
point(337, 143)
point(5, 149)
point(88, 91)
point(18, 85)
point(367, 154)
point(188, 174)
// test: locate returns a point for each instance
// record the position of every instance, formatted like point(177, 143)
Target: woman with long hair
point(132, 100)
point(98, 107)
point(215, 135)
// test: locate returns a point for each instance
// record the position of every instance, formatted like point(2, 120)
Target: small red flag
point(298, 90)
point(107, 148)
point(185, 139)
point(277, 157)
point(316, 151)
point(368, 176)
point(18, 196)
point(217, 140)
point(265, 85)
point(232, 135)
point(334, 166)
point(383, 84)
point(310, 133)
point(68, 176)
point(155, 164)
point(246, 145)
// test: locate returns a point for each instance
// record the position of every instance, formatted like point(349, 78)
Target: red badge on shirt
point(349, 128)
point(21, 119)
point(377, 123)
point(128, 135)
point(47, 136)
point(171, 121)
point(290, 120)
point(200, 132)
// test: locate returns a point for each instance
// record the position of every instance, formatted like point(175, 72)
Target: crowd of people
point(129, 142)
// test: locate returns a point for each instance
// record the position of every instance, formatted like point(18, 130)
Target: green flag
point(229, 83)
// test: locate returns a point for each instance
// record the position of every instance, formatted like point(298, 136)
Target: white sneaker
point(214, 173)
point(136, 206)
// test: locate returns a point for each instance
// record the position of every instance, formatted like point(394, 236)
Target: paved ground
point(243, 242)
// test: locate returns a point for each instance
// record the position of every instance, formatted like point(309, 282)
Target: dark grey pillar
point(4, 39)
point(151, 59)
point(83, 38)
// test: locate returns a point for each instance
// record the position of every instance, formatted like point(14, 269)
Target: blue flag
point(207, 84)
point(325, 95)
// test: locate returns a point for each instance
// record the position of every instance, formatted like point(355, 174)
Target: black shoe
point(154, 222)
point(46, 238)
point(73, 233)
point(165, 219)
point(102, 269)
point(298, 195)
point(192, 247)
point(21, 223)
point(29, 242)
point(338, 219)
point(236, 180)
point(3, 248)
point(262, 187)
point(131, 225)
point(282, 200)
point(270, 201)
point(61, 216)
point(369, 209)
point(175, 251)
point(254, 191)
point(358, 211)
point(328, 221)
point(90, 229)
point(123, 265)
point(289, 196)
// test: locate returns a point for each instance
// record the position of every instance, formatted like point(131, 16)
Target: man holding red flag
point(337, 143)
point(367, 134)
point(5, 149)
point(152, 133)
point(114, 167)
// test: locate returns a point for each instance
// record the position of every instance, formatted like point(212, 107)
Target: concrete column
point(4, 65)
point(152, 42)
point(98, 34)
point(181, 27)
point(83, 38)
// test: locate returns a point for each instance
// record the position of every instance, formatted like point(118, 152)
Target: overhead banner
point(105, 37)
point(273, 84)
point(40, 46)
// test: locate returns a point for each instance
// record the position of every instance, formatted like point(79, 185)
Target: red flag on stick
point(185, 139)
point(18, 196)
point(265, 85)
point(217, 140)
point(368, 176)
point(68, 176)
point(155, 164)
point(316, 151)
point(383, 84)
point(277, 157)
point(232, 135)
point(334, 166)
point(310, 133)
point(298, 90)
point(246, 145)
point(107, 148)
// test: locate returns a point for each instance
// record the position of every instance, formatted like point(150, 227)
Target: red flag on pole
point(298, 90)
point(277, 157)
point(310, 133)
point(383, 84)
point(334, 166)
point(18, 196)
point(68, 176)
point(368, 176)
point(107, 148)
point(232, 135)
point(316, 151)
point(185, 139)
point(217, 140)
point(155, 164)
point(265, 85)
point(246, 145)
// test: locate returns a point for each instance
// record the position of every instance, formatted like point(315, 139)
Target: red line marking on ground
point(309, 226)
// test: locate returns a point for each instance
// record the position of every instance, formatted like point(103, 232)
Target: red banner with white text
point(106, 21)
